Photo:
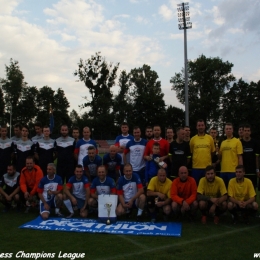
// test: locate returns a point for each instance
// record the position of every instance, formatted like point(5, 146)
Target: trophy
point(162, 164)
point(108, 208)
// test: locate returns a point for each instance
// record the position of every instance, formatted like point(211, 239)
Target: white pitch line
point(127, 238)
point(149, 250)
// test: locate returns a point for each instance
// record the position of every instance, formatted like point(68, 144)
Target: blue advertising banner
point(93, 226)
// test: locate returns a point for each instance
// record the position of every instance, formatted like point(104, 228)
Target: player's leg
point(68, 205)
point(140, 203)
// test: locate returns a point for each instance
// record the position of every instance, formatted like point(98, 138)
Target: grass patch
point(210, 241)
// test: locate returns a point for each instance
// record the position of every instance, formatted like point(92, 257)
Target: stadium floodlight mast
point(184, 24)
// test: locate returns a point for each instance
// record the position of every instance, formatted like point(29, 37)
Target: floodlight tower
point(184, 24)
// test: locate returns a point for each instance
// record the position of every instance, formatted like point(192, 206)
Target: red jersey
point(181, 191)
point(164, 147)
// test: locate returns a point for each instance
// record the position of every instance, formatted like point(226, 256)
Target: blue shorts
point(197, 174)
point(51, 203)
point(80, 202)
point(226, 176)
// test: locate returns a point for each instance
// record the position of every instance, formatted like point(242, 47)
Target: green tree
point(147, 98)
point(60, 110)
point(174, 117)
point(241, 105)
point(122, 105)
point(2, 108)
point(13, 86)
point(45, 101)
point(27, 105)
point(208, 80)
point(99, 77)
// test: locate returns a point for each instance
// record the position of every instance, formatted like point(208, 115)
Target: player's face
point(113, 151)
point(241, 132)
point(187, 131)
point(183, 173)
point(169, 134)
point(157, 131)
point(64, 131)
point(101, 173)
point(46, 132)
point(124, 129)
point(213, 133)
point(247, 132)
point(228, 130)
point(181, 134)
point(38, 130)
point(17, 131)
point(156, 150)
point(86, 133)
point(210, 175)
point(91, 154)
point(201, 127)
point(161, 176)
point(50, 171)
point(29, 164)
point(137, 134)
point(75, 134)
point(3, 132)
point(239, 174)
point(25, 132)
point(128, 171)
point(10, 170)
point(149, 133)
point(78, 173)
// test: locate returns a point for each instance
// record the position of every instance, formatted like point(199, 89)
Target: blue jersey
point(128, 188)
point(112, 164)
point(92, 165)
point(47, 184)
point(136, 150)
point(108, 186)
point(122, 140)
point(82, 148)
point(78, 186)
point(151, 168)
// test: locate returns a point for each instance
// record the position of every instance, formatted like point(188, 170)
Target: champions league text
point(61, 255)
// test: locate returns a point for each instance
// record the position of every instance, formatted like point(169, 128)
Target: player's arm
point(249, 201)
point(67, 192)
point(174, 194)
point(59, 190)
point(122, 200)
point(87, 172)
point(23, 186)
point(232, 199)
point(124, 155)
point(240, 159)
point(40, 195)
point(15, 192)
point(137, 195)
point(93, 192)
point(87, 197)
point(46, 206)
point(222, 198)
point(4, 194)
point(156, 194)
point(38, 178)
point(76, 152)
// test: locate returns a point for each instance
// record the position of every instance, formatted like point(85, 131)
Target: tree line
point(214, 95)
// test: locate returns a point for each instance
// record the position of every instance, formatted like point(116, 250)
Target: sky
point(49, 37)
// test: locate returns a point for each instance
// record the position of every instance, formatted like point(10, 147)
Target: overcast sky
point(49, 37)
